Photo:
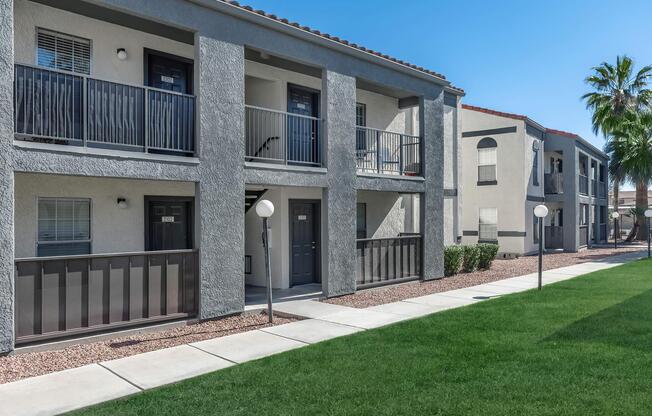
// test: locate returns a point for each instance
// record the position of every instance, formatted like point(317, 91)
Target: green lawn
point(579, 347)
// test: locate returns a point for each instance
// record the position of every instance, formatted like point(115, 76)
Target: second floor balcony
point(386, 152)
point(58, 107)
point(554, 183)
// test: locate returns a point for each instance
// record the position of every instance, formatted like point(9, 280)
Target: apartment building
point(137, 136)
point(626, 204)
point(521, 164)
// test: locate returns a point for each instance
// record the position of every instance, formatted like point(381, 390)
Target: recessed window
point(487, 158)
point(64, 226)
point(535, 167)
point(63, 52)
point(488, 224)
point(361, 133)
point(361, 220)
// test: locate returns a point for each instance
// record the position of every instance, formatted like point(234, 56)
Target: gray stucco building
point(136, 136)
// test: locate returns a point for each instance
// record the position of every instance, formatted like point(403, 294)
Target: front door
point(168, 72)
point(169, 223)
point(304, 242)
point(302, 132)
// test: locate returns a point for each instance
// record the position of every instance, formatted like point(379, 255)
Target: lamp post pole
point(615, 216)
point(540, 211)
point(265, 209)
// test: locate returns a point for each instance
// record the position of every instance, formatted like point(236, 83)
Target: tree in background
point(618, 98)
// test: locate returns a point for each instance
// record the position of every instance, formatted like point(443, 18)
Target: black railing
point(584, 184)
point(602, 190)
point(554, 237)
point(554, 183)
point(584, 235)
point(63, 108)
point(379, 151)
point(388, 260)
point(603, 232)
point(68, 295)
point(280, 137)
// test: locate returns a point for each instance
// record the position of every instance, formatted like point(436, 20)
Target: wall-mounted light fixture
point(122, 54)
point(122, 203)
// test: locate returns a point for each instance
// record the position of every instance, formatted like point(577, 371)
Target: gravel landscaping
point(19, 366)
point(500, 269)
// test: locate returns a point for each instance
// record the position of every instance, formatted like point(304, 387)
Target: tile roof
point(494, 112)
point(341, 41)
point(563, 133)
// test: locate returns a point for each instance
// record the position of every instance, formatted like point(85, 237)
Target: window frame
point(480, 223)
point(57, 33)
point(485, 145)
point(89, 241)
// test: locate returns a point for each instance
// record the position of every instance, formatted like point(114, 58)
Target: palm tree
point(618, 93)
point(631, 149)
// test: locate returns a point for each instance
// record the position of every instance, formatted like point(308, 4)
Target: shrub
point(452, 259)
point(471, 258)
point(486, 255)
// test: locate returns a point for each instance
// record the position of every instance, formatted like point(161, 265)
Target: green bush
point(452, 259)
point(486, 255)
point(471, 258)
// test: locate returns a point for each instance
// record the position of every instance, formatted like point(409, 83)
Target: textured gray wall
point(6, 176)
point(338, 202)
point(431, 123)
point(221, 188)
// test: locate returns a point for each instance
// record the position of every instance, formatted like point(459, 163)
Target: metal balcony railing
point(584, 235)
point(64, 108)
point(387, 260)
point(602, 190)
point(584, 184)
point(554, 183)
point(379, 151)
point(554, 236)
point(70, 295)
point(281, 137)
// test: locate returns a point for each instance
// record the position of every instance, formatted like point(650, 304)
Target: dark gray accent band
point(533, 198)
point(450, 192)
point(469, 233)
point(533, 131)
point(477, 133)
point(408, 102)
point(450, 99)
point(512, 234)
point(486, 183)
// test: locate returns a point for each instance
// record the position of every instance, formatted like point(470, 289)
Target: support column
point(431, 126)
point(339, 199)
point(220, 192)
point(6, 176)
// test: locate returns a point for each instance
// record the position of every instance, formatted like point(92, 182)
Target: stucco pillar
point(431, 125)
point(6, 176)
point(339, 199)
point(220, 98)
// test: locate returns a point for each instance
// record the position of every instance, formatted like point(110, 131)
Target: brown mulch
point(19, 366)
point(500, 269)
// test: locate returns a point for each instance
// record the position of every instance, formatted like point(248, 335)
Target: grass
point(579, 347)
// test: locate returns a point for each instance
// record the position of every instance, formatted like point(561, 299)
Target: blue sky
point(526, 57)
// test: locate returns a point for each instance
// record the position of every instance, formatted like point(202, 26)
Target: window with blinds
point(63, 52)
point(487, 165)
point(488, 224)
point(64, 226)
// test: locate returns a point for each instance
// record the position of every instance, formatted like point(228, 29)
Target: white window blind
point(64, 226)
point(486, 157)
point(488, 227)
point(488, 216)
point(63, 52)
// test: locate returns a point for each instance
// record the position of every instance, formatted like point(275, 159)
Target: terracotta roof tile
point(494, 112)
point(337, 39)
point(563, 133)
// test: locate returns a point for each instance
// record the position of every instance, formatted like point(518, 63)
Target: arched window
point(487, 161)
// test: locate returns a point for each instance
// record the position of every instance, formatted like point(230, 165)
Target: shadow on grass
point(627, 324)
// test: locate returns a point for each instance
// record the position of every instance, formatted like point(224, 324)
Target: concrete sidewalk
point(80, 387)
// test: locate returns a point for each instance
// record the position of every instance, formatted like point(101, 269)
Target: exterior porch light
point(615, 216)
point(540, 211)
point(648, 214)
point(265, 209)
point(122, 203)
point(122, 54)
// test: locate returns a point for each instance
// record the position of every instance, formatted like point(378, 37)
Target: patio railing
point(64, 108)
point(387, 260)
point(554, 237)
point(554, 183)
point(379, 151)
point(584, 185)
point(277, 136)
point(584, 235)
point(70, 295)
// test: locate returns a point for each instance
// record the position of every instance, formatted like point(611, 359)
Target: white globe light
point(122, 54)
point(540, 211)
point(615, 215)
point(264, 209)
point(648, 213)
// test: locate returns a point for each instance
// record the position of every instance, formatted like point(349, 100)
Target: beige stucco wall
point(390, 213)
point(106, 39)
point(113, 230)
point(513, 173)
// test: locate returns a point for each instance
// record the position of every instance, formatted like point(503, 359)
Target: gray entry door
point(169, 225)
point(302, 132)
point(304, 244)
